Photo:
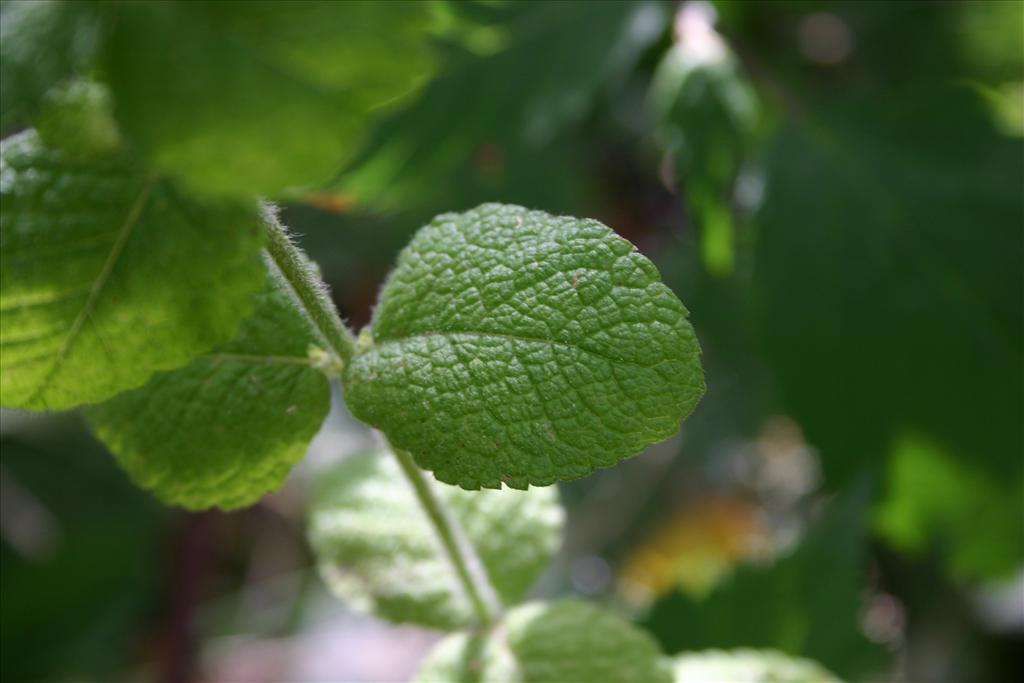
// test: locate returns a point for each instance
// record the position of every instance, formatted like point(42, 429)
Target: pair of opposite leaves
point(508, 346)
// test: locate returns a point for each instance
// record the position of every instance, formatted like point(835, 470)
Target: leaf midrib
point(131, 220)
point(516, 338)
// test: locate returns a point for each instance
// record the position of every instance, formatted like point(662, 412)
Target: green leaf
point(379, 553)
point(888, 270)
point(108, 274)
point(248, 98)
point(706, 113)
point(808, 603)
point(41, 43)
point(227, 428)
point(514, 346)
point(545, 76)
point(556, 642)
point(933, 496)
point(77, 118)
point(747, 666)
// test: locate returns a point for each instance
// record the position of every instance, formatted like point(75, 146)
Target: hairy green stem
point(304, 280)
point(480, 595)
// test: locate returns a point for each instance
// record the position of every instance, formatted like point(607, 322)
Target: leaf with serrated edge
point(377, 550)
point(228, 427)
point(514, 346)
point(242, 98)
point(749, 666)
point(108, 275)
point(556, 642)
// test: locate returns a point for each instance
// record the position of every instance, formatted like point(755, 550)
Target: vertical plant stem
point(314, 302)
point(304, 281)
point(452, 543)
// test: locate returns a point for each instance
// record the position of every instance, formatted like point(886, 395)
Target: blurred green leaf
point(889, 271)
point(747, 666)
point(81, 558)
point(556, 642)
point(77, 118)
point(705, 116)
point(260, 98)
point(227, 428)
point(42, 42)
point(378, 553)
point(934, 496)
point(489, 117)
point(109, 274)
point(806, 604)
point(515, 346)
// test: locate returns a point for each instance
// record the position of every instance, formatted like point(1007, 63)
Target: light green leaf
point(260, 97)
point(556, 642)
point(108, 275)
point(935, 500)
point(514, 346)
point(42, 42)
point(379, 553)
point(77, 118)
point(747, 666)
point(228, 427)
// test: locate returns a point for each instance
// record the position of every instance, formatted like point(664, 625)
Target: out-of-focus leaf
point(807, 604)
point(378, 551)
point(976, 519)
point(244, 98)
point(991, 35)
point(705, 114)
point(889, 270)
point(556, 642)
point(77, 118)
point(42, 42)
point(747, 666)
point(227, 428)
point(109, 274)
point(81, 558)
point(487, 116)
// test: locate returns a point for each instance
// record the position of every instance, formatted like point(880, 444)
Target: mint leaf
point(556, 642)
point(41, 43)
point(227, 428)
point(108, 274)
point(514, 346)
point(379, 553)
point(260, 97)
point(749, 666)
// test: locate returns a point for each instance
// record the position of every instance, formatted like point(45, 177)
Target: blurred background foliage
point(835, 189)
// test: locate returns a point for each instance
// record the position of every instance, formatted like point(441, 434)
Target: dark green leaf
point(42, 42)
